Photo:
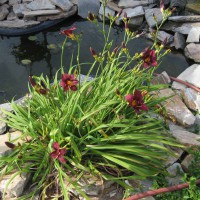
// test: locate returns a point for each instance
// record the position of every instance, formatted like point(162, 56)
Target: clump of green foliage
point(101, 127)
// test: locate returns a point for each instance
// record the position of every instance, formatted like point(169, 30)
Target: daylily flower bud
point(32, 81)
point(91, 17)
point(115, 50)
point(93, 53)
point(42, 91)
point(125, 15)
point(161, 5)
point(119, 13)
point(10, 145)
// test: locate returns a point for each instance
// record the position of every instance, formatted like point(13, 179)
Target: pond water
point(14, 75)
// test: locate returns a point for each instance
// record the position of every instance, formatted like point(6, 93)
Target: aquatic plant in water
point(101, 127)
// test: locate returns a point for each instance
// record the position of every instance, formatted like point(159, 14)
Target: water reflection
point(14, 76)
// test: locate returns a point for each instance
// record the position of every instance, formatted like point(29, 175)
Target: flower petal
point(54, 154)
point(56, 146)
point(62, 159)
point(129, 98)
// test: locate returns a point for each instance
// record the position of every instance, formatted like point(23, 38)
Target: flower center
point(147, 60)
point(134, 103)
point(70, 83)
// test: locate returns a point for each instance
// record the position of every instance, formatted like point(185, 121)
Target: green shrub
point(102, 127)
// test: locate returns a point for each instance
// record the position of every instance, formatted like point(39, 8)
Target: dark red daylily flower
point(149, 58)
point(136, 101)
point(58, 153)
point(68, 82)
point(69, 32)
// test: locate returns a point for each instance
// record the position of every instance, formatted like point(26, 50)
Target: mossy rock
point(193, 6)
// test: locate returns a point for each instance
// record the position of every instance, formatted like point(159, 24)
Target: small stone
point(191, 99)
point(187, 162)
point(113, 6)
point(170, 160)
point(136, 21)
point(197, 121)
point(3, 1)
point(193, 35)
point(41, 5)
point(108, 11)
point(162, 78)
point(18, 24)
point(16, 186)
point(3, 126)
point(3, 13)
point(176, 173)
point(84, 6)
point(183, 136)
point(12, 2)
point(40, 12)
point(4, 150)
point(65, 5)
point(131, 3)
point(58, 16)
point(190, 75)
point(149, 13)
point(179, 41)
point(18, 9)
point(12, 16)
point(192, 18)
point(162, 36)
point(5, 106)
point(192, 51)
point(132, 12)
point(176, 110)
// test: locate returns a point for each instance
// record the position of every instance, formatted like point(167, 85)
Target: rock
point(149, 16)
point(3, 13)
point(59, 16)
point(175, 108)
point(65, 5)
point(19, 9)
point(12, 2)
point(108, 11)
point(193, 6)
point(18, 24)
point(153, 1)
point(3, 1)
point(170, 160)
point(192, 18)
point(5, 106)
point(186, 27)
point(84, 6)
point(113, 6)
point(187, 162)
point(16, 186)
point(162, 36)
point(178, 4)
point(12, 16)
point(183, 136)
point(132, 12)
point(136, 21)
point(162, 78)
point(4, 150)
point(3, 126)
point(192, 51)
point(193, 35)
point(190, 75)
point(191, 99)
point(183, 28)
point(176, 174)
point(41, 5)
point(197, 121)
point(75, 2)
point(131, 3)
point(40, 12)
point(179, 41)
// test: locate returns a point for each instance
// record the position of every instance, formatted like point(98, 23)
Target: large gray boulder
point(85, 6)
